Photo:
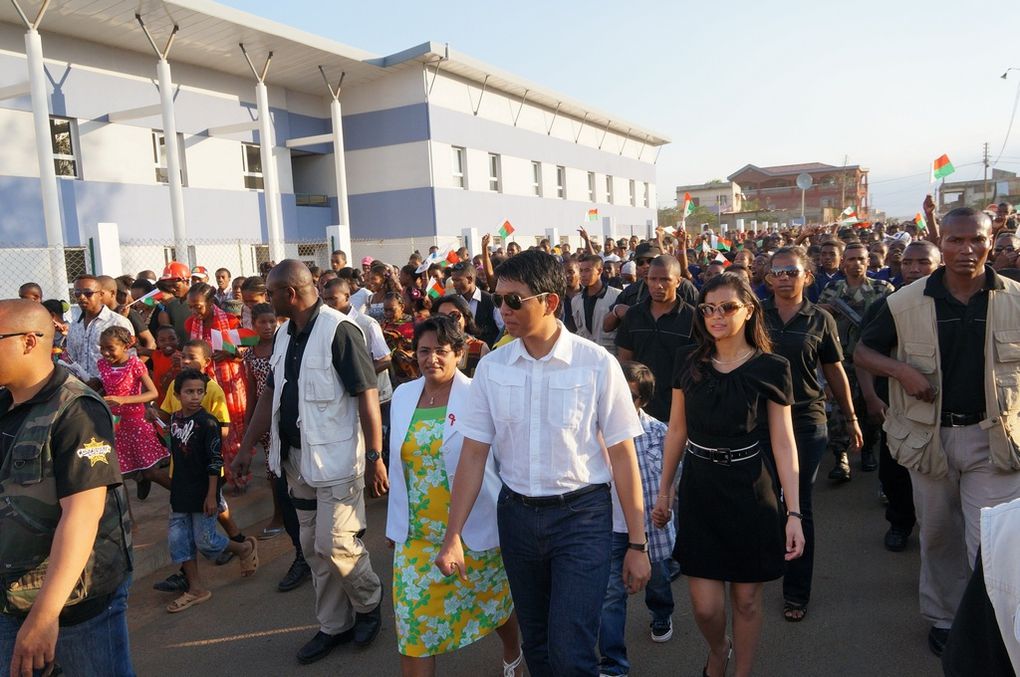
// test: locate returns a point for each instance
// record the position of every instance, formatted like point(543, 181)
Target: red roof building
point(833, 189)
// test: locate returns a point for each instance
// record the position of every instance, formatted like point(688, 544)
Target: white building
point(436, 146)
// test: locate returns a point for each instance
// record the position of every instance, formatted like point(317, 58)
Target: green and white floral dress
point(436, 614)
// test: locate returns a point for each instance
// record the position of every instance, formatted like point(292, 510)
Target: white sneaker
point(662, 632)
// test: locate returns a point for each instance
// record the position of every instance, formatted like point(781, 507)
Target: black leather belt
point(951, 420)
point(722, 455)
point(562, 499)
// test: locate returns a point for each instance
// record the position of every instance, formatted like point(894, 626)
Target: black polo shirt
point(961, 330)
point(178, 312)
point(654, 343)
point(351, 361)
point(872, 311)
point(638, 293)
point(808, 340)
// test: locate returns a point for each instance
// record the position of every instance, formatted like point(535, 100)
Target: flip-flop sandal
point(793, 612)
point(250, 562)
point(187, 600)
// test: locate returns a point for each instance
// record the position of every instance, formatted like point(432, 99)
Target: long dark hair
point(470, 328)
point(754, 329)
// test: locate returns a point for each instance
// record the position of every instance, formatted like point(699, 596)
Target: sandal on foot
point(187, 600)
point(510, 669)
point(250, 562)
point(793, 612)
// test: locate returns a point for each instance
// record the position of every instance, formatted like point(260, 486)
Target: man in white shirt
point(549, 404)
point(82, 347)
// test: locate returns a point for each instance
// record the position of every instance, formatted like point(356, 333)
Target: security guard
point(65, 549)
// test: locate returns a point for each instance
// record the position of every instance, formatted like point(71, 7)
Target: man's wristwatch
point(372, 455)
point(640, 547)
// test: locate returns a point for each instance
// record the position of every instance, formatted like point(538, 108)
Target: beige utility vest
point(913, 425)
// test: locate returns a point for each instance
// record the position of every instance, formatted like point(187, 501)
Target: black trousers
point(896, 484)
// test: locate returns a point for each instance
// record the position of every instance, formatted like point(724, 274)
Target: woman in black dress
point(729, 393)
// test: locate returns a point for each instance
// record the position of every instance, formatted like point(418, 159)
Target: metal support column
point(173, 151)
point(267, 145)
point(339, 163)
point(44, 150)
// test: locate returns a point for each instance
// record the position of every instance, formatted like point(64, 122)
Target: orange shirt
point(162, 372)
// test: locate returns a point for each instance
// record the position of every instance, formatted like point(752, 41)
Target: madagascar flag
point(688, 208)
point(150, 299)
point(231, 339)
point(719, 258)
point(920, 222)
point(451, 256)
point(436, 289)
point(505, 229)
point(725, 244)
point(941, 168)
point(593, 215)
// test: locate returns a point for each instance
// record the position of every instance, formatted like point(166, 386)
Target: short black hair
point(262, 309)
point(199, 343)
point(254, 284)
point(635, 372)
point(189, 375)
point(30, 285)
point(975, 215)
point(446, 329)
point(540, 272)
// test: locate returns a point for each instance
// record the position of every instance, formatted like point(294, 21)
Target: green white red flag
point(920, 222)
point(150, 299)
point(506, 229)
point(941, 168)
point(436, 288)
point(688, 207)
point(593, 215)
point(232, 339)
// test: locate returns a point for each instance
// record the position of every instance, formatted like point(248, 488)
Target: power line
point(1009, 128)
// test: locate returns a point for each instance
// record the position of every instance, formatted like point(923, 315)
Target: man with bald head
point(653, 330)
point(64, 538)
point(323, 383)
point(954, 403)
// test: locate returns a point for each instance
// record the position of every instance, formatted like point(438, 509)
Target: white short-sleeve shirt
point(550, 420)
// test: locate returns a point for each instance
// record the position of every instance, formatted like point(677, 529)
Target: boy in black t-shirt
point(196, 476)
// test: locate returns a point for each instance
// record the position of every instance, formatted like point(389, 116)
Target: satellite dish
point(804, 181)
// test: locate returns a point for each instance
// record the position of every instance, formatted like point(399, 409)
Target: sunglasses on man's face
point(514, 300)
point(725, 309)
point(786, 271)
point(87, 293)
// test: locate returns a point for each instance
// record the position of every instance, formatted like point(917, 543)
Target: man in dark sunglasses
point(544, 404)
point(1004, 253)
point(82, 347)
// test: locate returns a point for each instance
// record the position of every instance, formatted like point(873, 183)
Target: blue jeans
point(658, 599)
point(191, 531)
point(557, 562)
point(98, 646)
point(811, 443)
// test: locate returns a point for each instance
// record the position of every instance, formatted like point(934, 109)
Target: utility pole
point(842, 185)
point(984, 189)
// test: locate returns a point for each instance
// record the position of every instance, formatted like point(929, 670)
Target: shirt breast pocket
point(566, 392)
point(507, 395)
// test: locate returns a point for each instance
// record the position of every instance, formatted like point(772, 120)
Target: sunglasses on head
point(786, 271)
point(514, 300)
point(643, 261)
point(726, 308)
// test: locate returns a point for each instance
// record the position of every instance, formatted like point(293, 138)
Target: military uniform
point(54, 445)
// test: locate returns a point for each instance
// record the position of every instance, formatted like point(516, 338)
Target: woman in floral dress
point(436, 614)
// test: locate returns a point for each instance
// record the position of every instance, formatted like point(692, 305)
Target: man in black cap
point(638, 292)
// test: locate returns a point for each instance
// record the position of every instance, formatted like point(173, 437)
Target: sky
point(889, 85)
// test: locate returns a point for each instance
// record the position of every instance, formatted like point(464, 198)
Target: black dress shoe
point(367, 625)
point(896, 539)
point(868, 461)
point(318, 647)
point(841, 471)
point(144, 487)
point(176, 582)
point(298, 573)
point(937, 640)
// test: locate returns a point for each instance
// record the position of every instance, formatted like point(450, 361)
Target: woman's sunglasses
point(788, 271)
point(514, 300)
point(726, 309)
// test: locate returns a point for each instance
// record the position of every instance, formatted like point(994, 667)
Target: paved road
point(863, 618)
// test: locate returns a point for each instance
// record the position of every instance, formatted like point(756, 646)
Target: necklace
point(738, 359)
point(432, 397)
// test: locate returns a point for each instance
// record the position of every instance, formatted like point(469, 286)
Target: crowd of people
point(553, 429)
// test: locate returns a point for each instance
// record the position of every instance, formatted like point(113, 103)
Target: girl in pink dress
point(127, 387)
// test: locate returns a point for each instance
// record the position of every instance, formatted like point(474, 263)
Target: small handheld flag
point(941, 168)
point(920, 222)
point(230, 339)
point(506, 229)
point(436, 288)
point(688, 207)
point(593, 215)
point(150, 299)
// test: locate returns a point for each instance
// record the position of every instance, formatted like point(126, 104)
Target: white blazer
point(480, 531)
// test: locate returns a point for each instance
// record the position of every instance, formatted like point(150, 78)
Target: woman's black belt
point(722, 455)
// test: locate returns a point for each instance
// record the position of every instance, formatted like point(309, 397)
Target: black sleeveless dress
point(731, 521)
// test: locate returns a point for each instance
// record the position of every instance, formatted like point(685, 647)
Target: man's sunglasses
point(999, 250)
point(87, 293)
point(22, 333)
point(726, 309)
point(514, 300)
point(788, 271)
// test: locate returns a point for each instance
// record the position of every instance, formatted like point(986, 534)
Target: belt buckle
point(727, 455)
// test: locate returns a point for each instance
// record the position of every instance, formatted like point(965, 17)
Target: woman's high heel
point(726, 663)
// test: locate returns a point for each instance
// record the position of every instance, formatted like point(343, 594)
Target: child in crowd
point(196, 476)
point(56, 309)
point(398, 330)
point(166, 360)
point(256, 372)
point(127, 389)
point(658, 593)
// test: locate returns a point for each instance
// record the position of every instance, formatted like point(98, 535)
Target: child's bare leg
point(190, 569)
point(228, 524)
point(158, 475)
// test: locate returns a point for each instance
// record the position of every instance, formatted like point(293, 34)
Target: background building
point(1001, 186)
point(435, 147)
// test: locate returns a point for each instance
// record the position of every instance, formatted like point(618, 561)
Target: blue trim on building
point(392, 214)
point(389, 127)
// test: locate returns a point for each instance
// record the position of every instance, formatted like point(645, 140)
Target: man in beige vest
point(954, 403)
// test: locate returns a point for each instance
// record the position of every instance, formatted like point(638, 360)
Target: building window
point(62, 133)
point(251, 156)
point(609, 189)
point(495, 184)
point(633, 195)
point(647, 190)
point(458, 167)
point(591, 186)
point(159, 156)
point(561, 182)
point(536, 178)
